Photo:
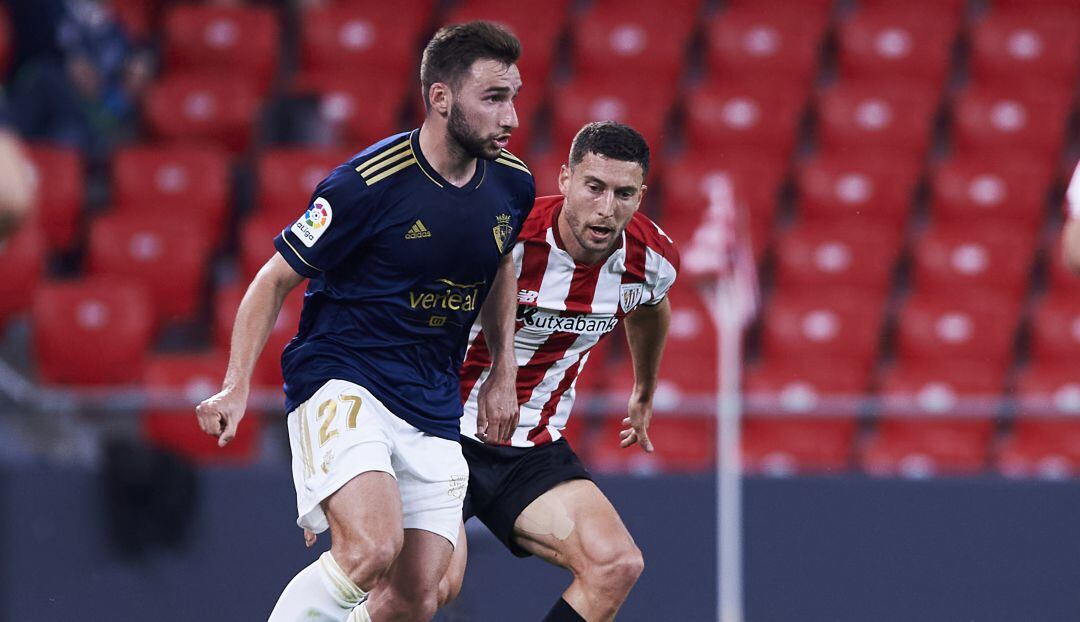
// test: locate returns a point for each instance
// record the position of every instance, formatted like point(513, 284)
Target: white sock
point(322, 592)
point(360, 614)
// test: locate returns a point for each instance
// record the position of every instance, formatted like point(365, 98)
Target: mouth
point(502, 141)
point(599, 233)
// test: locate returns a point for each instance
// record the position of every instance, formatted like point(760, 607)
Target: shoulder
point(541, 216)
point(381, 160)
point(513, 170)
point(642, 230)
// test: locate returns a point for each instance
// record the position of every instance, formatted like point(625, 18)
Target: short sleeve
point(666, 268)
point(338, 219)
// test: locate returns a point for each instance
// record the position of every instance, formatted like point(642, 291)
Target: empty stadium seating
point(22, 265)
point(242, 41)
point(971, 258)
point(1004, 120)
point(267, 372)
point(203, 109)
point(722, 115)
point(962, 330)
point(806, 329)
point(56, 174)
point(890, 43)
point(185, 181)
point(857, 189)
point(361, 111)
point(770, 44)
point(1045, 439)
point(1055, 330)
point(1008, 192)
point(820, 257)
point(582, 100)
point(632, 42)
point(869, 117)
point(287, 178)
point(94, 331)
point(1026, 50)
point(358, 37)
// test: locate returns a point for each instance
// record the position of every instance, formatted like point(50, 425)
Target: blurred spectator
point(16, 193)
point(87, 93)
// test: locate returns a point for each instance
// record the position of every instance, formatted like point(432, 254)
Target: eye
point(626, 194)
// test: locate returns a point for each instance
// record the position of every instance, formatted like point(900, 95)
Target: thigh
point(571, 525)
point(367, 509)
point(433, 478)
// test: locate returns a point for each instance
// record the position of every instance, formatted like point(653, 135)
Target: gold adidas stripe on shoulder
point(367, 164)
point(513, 158)
point(512, 164)
point(390, 171)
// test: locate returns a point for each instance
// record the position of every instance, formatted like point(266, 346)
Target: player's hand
point(639, 415)
point(497, 408)
point(309, 538)
point(220, 414)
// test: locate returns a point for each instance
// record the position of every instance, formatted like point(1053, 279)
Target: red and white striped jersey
point(564, 309)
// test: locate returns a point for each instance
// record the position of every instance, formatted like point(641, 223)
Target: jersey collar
point(437, 179)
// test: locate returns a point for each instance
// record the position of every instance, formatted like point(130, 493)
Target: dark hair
point(613, 140)
point(454, 49)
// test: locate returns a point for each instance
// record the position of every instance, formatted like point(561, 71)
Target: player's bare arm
point(1070, 244)
point(646, 331)
point(497, 406)
point(220, 414)
point(16, 189)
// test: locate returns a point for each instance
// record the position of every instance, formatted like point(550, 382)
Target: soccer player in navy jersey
point(401, 246)
point(586, 261)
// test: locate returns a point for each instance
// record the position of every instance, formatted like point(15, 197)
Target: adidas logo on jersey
point(418, 231)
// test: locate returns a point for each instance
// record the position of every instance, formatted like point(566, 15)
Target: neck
point(446, 156)
point(576, 251)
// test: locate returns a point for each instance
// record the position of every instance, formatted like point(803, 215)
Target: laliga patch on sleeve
point(314, 222)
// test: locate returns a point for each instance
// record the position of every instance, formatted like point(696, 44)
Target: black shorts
point(503, 481)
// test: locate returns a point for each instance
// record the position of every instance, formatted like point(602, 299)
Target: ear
point(441, 98)
point(564, 180)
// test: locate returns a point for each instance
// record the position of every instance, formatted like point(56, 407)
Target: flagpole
point(729, 459)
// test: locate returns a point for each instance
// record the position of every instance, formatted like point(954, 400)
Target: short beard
point(462, 133)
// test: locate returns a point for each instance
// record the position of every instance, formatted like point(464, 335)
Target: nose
point(510, 118)
point(605, 206)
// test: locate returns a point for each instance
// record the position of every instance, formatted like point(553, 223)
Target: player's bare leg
point(410, 591)
point(450, 585)
point(366, 536)
point(575, 526)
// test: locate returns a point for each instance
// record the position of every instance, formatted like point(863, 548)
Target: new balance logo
point(418, 231)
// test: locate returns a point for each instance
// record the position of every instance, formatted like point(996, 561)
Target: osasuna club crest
point(629, 296)
point(502, 231)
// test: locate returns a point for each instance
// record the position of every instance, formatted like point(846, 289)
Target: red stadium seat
point(622, 41)
point(964, 258)
point(721, 115)
point(854, 189)
point(892, 117)
point(765, 43)
point(175, 384)
point(1010, 192)
point(239, 41)
point(536, 24)
point(22, 263)
point(960, 330)
point(809, 330)
point(57, 176)
point(91, 332)
point(363, 111)
point(821, 257)
point(935, 419)
point(1028, 51)
point(189, 108)
point(168, 256)
point(1055, 330)
point(358, 37)
point(691, 179)
point(267, 372)
point(1006, 121)
point(952, 10)
point(1062, 9)
point(180, 181)
point(287, 178)
point(893, 44)
point(1045, 439)
point(5, 41)
point(800, 418)
point(582, 101)
point(257, 241)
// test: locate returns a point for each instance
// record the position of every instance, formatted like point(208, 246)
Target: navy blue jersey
point(399, 262)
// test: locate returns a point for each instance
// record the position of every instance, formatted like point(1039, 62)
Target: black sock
point(563, 612)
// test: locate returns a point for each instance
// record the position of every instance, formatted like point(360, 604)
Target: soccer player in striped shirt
point(585, 261)
point(401, 246)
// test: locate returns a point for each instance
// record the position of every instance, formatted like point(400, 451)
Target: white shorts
point(343, 431)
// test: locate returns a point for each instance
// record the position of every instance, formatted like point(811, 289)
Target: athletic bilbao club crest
point(629, 296)
point(502, 231)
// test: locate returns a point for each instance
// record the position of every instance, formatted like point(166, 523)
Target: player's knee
point(365, 560)
point(615, 567)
